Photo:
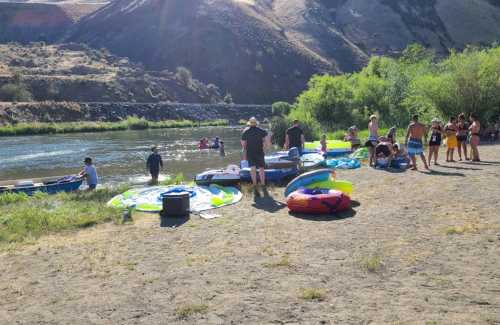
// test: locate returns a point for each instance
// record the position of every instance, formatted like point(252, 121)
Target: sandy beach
point(417, 248)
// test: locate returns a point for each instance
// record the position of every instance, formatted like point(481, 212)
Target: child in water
point(222, 152)
point(323, 143)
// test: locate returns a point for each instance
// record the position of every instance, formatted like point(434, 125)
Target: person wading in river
point(254, 141)
point(414, 143)
point(154, 164)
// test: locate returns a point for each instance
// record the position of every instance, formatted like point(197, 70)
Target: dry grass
point(371, 263)
point(284, 261)
point(314, 294)
point(187, 310)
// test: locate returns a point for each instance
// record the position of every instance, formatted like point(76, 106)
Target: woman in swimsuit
point(372, 138)
point(474, 136)
point(451, 138)
point(435, 141)
point(352, 137)
point(462, 132)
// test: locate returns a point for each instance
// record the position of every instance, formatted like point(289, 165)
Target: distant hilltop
point(260, 51)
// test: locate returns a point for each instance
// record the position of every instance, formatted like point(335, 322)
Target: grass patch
point(185, 311)
point(372, 263)
point(284, 261)
point(44, 214)
point(470, 227)
point(131, 123)
point(314, 294)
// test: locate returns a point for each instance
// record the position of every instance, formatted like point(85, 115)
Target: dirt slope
point(418, 249)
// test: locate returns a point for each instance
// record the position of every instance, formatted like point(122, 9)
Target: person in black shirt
point(253, 141)
point(295, 137)
point(154, 164)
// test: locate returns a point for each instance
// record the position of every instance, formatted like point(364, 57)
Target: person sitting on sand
point(324, 147)
point(372, 141)
point(89, 172)
point(451, 138)
point(435, 141)
point(154, 164)
point(474, 136)
point(352, 137)
point(400, 156)
point(384, 152)
point(413, 141)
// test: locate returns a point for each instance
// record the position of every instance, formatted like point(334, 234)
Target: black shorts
point(154, 173)
point(461, 138)
point(256, 161)
point(371, 143)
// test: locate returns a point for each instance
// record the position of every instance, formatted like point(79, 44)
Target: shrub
point(184, 76)
point(281, 108)
point(15, 93)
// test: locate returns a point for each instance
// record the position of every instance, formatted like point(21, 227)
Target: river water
point(119, 156)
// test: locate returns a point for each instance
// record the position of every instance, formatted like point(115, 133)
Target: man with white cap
point(253, 141)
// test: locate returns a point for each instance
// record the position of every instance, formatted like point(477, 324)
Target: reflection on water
point(118, 156)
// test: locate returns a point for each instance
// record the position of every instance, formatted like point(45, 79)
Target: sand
point(417, 248)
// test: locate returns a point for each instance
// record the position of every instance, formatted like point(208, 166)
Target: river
point(119, 156)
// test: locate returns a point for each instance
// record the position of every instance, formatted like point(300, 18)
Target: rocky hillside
point(72, 72)
point(266, 50)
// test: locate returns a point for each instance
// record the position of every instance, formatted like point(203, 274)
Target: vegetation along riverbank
point(131, 123)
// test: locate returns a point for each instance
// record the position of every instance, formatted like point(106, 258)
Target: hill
point(73, 72)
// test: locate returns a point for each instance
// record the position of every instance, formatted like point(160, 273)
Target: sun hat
point(373, 116)
point(252, 121)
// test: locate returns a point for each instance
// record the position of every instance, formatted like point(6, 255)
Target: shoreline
point(131, 123)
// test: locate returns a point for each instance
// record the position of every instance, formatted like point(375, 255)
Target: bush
point(281, 108)
point(15, 93)
point(184, 76)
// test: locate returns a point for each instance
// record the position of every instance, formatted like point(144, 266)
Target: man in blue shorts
point(416, 131)
point(253, 141)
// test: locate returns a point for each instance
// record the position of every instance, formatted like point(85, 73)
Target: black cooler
point(175, 205)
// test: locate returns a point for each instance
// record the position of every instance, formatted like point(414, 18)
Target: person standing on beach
point(154, 164)
point(372, 141)
point(253, 142)
point(451, 139)
point(474, 136)
point(435, 141)
point(413, 141)
point(294, 137)
point(89, 173)
point(462, 133)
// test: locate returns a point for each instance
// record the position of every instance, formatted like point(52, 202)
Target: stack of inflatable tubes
point(317, 192)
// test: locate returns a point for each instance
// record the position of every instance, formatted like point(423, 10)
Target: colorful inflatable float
point(312, 160)
point(223, 177)
point(335, 148)
point(272, 175)
point(321, 179)
point(318, 201)
point(343, 163)
point(150, 199)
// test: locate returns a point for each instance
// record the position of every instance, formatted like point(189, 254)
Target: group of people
point(255, 141)
point(457, 132)
point(217, 144)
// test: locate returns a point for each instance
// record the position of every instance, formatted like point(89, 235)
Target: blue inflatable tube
point(272, 175)
point(303, 180)
point(343, 163)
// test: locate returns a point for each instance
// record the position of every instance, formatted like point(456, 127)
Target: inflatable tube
point(360, 154)
point(306, 179)
point(339, 185)
point(272, 175)
point(331, 145)
point(318, 201)
point(312, 160)
point(343, 163)
point(218, 177)
point(149, 199)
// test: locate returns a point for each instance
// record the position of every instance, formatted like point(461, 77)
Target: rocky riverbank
point(48, 112)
